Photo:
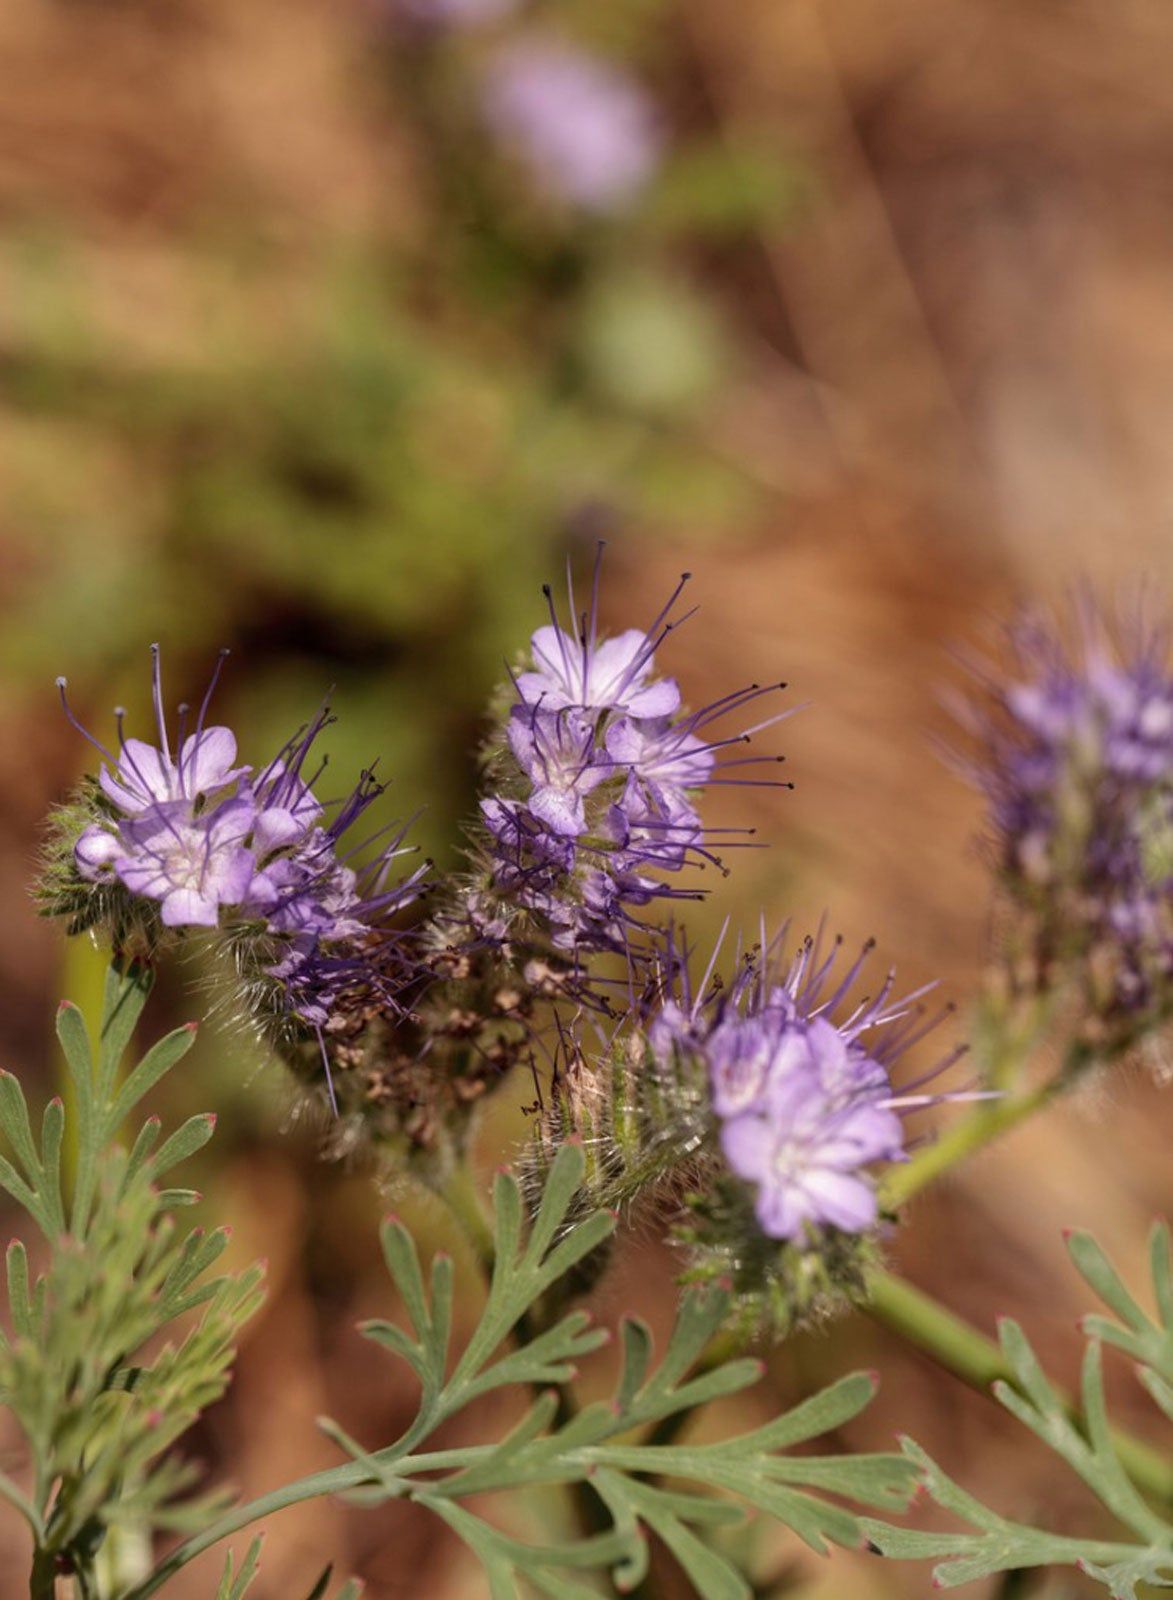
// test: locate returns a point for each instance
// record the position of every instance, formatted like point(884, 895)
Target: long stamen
point(221, 658)
point(567, 667)
point(62, 684)
point(157, 696)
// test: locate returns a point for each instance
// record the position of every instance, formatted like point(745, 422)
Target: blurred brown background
point(885, 345)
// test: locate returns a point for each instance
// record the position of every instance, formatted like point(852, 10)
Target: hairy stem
point(978, 1361)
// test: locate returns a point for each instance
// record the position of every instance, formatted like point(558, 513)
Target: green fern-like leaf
point(234, 1585)
point(1088, 1447)
point(680, 1492)
point(98, 1391)
point(600, 1445)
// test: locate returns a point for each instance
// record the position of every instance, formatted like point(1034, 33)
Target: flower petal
point(189, 908)
point(559, 809)
point(205, 762)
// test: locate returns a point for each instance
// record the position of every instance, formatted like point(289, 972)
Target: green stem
point(458, 1190)
point(43, 1578)
point(334, 1480)
point(978, 1361)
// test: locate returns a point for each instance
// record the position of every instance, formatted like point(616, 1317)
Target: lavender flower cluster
point(1077, 763)
point(776, 1091)
point(803, 1098)
point(596, 781)
point(213, 844)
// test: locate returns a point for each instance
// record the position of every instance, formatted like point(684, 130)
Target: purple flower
point(662, 756)
point(557, 753)
point(804, 1103)
point(611, 675)
point(191, 865)
point(806, 1156)
point(1076, 760)
point(214, 844)
point(176, 829)
point(596, 780)
point(452, 13)
point(285, 804)
point(587, 131)
point(330, 919)
point(146, 777)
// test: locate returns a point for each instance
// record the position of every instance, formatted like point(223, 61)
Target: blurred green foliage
point(353, 458)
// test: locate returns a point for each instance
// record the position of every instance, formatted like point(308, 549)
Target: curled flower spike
point(1074, 752)
point(202, 842)
point(803, 1097)
point(173, 830)
point(593, 788)
point(754, 1112)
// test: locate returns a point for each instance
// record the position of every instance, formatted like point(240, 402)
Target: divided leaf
point(640, 1487)
point(98, 1414)
point(1086, 1444)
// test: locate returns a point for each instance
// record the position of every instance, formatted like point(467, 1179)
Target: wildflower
point(586, 129)
point(1075, 756)
point(807, 1155)
point(804, 1104)
point(557, 753)
point(329, 921)
point(175, 830)
point(192, 866)
point(610, 675)
point(593, 787)
point(214, 844)
point(145, 776)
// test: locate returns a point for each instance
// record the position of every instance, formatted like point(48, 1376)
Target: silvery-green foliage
point(236, 1582)
point(97, 1394)
point(606, 1446)
point(597, 1446)
point(1088, 1447)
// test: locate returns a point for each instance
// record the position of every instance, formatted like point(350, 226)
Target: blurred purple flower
point(1075, 755)
point(451, 13)
point(586, 129)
